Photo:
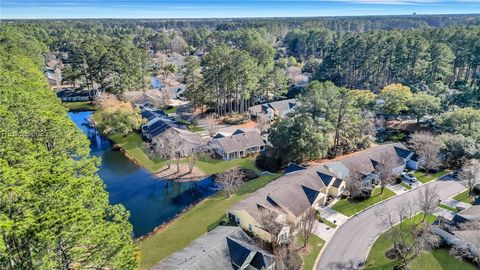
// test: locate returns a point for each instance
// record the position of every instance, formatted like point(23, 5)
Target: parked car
point(409, 177)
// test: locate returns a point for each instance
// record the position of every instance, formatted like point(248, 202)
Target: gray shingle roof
point(240, 141)
point(220, 249)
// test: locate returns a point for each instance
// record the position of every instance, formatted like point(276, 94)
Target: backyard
point(132, 144)
point(194, 223)
point(349, 207)
point(79, 106)
point(437, 259)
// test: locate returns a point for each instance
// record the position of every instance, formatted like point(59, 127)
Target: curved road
point(349, 246)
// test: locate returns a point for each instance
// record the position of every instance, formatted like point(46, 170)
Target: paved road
point(349, 246)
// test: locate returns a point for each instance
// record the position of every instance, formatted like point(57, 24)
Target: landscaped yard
point(315, 245)
point(439, 259)
point(405, 185)
point(444, 206)
point(325, 221)
point(425, 178)
point(349, 207)
point(194, 223)
point(132, 144)
point(463, 197)
point(212, 166)
point(79, 106)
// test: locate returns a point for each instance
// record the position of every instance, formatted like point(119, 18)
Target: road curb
point(315, 265)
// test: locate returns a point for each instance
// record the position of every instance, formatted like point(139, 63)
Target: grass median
point(349, 207)
point(193, 223)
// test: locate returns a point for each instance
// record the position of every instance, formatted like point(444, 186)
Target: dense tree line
point(374, 59)
point(54, 210)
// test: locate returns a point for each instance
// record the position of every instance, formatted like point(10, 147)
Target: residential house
point(300, 189)
point(365, 162)
point(290, 196)
point(220, 249)
point(240, 144)
point(160, 128)
point(274, 109)
point(454, 234)
point(70, 95)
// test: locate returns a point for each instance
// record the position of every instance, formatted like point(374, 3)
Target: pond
point(156, 83)
point(150, 200)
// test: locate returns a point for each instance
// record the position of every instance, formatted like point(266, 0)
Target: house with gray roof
point(270, 110)
point(160, 127)
point(290, 196)
point(365, 162)
point(223, 248)
point(240, 144)
point(300, 188)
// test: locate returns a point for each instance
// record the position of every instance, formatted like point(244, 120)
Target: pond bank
point(150, 200)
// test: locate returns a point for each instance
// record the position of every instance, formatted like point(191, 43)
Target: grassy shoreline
point(193, 223)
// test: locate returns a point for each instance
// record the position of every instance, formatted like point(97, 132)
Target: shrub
point(268, 163)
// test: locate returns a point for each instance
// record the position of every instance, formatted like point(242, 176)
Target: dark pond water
point(151, 201)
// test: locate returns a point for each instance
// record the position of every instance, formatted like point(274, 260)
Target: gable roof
point(222, 248)
point(365, 162)
point(292, 193)
point(293, 167)
point(281, 107)
point(239, 141)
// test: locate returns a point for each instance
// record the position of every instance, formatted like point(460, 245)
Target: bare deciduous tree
point(307, 224)
point(472, 248)
point(211, 124)
point(384, 171)
point(262, 123)
point(428, 201)
point(230, 180)
point(167, 148)
point(192, 161)
point(409, 236)
point(354, 185)
point(470, 175)
point(164, 98)
point(428, 148)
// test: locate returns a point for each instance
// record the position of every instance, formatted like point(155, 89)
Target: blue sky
point(230, 8)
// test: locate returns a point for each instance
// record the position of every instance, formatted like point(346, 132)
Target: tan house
point(290, 196)
point(300, 189)
point(239, 144)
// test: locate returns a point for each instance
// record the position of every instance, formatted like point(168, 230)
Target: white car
point(409, 177)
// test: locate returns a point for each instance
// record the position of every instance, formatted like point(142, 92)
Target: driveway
point(349, 246)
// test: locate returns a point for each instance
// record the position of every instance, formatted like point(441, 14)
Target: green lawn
point(448, 208)
point(194, 128)
point(463, 197)
point(194, 223)
point(171, 110)
point(212, 166)
point(439, 259)
point(325, 221)
point(349, 207)
point(405, 185)
point(425, 178)
point(79, 106)
point(315, 244)
point(132, 144)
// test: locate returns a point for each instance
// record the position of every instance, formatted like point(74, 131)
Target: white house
point(239, 144)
